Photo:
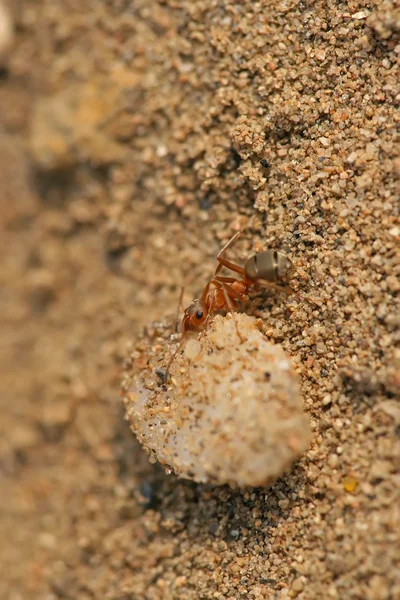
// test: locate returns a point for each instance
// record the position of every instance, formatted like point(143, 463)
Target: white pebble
point(233, 416)
point(192, 349)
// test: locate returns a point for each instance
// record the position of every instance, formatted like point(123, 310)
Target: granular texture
point(184, 119)
point(232, 415)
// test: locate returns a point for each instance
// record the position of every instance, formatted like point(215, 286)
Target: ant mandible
point(225, 293)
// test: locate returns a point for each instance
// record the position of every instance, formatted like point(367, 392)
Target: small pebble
point(350, 484)
point(234, 408)
point(192, 349)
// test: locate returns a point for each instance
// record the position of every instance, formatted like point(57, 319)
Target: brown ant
point(225, 293)
point(260, 270)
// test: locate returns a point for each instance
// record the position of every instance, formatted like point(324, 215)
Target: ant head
point(194, 317)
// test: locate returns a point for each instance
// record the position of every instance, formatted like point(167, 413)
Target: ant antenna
point(171, 360)
point(180, 307)
point(164, 375)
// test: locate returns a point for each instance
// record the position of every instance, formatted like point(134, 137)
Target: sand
point(135, 138)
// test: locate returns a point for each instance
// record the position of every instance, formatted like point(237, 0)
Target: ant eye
point(199, 314)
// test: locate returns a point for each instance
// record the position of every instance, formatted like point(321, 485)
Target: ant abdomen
point(269, 265)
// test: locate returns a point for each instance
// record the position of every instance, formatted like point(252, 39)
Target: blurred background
point(135, 137)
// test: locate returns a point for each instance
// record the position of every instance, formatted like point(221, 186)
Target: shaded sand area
point(135, 138)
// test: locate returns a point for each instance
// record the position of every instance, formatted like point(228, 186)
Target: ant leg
point(279, 288)
point(171, 360)
point(205, 293)
point(218, 269)
point(181, 299)
point(232, 308)
point(180, 306)
point(229, 280)
point(226, 263)
point(211, 311)
point(229, 293)
point(233, 293)
point(225, 279)
point(231, 241)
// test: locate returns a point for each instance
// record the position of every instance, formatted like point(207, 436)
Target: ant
point(225, 293)
point(260, 270)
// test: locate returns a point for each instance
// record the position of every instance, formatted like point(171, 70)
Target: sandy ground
point(135, 136)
